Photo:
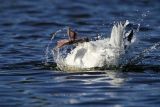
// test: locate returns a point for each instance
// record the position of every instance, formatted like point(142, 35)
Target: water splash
point(48, 51)
point(106, 52)
point(141, 56)
point(143, 15)
point(59, 55)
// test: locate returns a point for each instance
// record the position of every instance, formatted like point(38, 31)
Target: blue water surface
point(25, 28)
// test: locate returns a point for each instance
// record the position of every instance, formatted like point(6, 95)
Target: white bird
point(100, 53)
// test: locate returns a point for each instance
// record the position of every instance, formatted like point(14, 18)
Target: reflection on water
point(116, 79)
point(37, 88)
point(25, 30)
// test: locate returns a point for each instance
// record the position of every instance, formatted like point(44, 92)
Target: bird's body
point(102, 52)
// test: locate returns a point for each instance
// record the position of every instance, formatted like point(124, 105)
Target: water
point(25, 28)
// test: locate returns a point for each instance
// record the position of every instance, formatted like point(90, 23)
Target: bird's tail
point(120, 37)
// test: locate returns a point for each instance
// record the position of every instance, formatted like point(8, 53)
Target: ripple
point(7, 24)
point(145, 29)
point(82, 15)
point(41, 23)
point(27, 81)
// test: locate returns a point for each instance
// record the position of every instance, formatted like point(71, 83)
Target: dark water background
point(25, 27)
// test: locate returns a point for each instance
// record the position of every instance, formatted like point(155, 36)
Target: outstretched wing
point(71, 34)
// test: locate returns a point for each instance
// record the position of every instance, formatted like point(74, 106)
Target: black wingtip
point(130, 36)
